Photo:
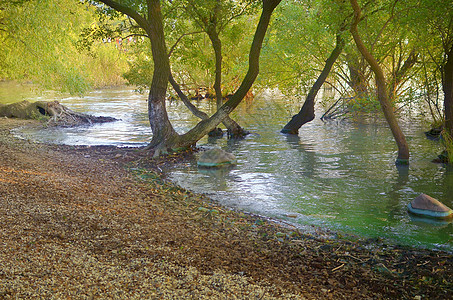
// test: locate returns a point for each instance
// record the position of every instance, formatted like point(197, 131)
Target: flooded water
point(339, 176)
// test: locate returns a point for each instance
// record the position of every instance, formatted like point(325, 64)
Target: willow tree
point(148, 15)
point(307, 112)
point(307, 39)
point(334, 19)
point(381, 84)
point(38, 39)
point(212, 17)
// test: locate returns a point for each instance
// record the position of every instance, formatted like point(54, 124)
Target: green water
point(337, 175)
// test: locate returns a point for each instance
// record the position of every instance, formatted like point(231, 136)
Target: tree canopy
point(214, 46)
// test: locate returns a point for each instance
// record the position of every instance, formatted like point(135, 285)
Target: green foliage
point(368, 104)
point(141, 66)
point(300, 40)
point(61, 44)
point(193, 60)
point(303, 34)
point(40, 45)
point(191, 53)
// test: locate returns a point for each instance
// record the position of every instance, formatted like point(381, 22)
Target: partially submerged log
point(53, 112)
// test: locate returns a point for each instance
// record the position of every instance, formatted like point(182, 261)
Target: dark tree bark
point(307, 112)
point(165, 137)
point(192, 108)
point(234, 129)
point(217, 46)
point(382, 92)
point(447, 87)
point(157, 113)
point(229, 123)
point(205, 126)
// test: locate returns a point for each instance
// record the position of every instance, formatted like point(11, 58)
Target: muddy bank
point(100, 222)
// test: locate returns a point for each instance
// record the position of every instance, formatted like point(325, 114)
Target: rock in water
point(427, 206)
point(216, 158)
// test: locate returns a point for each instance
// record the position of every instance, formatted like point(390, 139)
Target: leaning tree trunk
point(228, 122)
point(382, 92)
point(307, 112)
point(192, 108)
point(164, 135)
point(447, 87)
point(203, 127)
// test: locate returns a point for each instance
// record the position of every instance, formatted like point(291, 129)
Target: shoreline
point(326, 232)
point(66, 206)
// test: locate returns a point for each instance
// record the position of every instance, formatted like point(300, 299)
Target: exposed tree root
point(53, 113)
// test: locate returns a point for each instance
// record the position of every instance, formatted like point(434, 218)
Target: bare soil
point(102, 222)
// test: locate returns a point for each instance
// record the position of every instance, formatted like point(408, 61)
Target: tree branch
point(179, 39)
point(253, 70)
point(234, 16)
point(143, 22)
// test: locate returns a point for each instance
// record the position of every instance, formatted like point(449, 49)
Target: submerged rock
point(215, 158)
point(427, 206)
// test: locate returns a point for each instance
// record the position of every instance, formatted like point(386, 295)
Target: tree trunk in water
point(164, 136)
point(192, 108)
point(217, 46)
point(400, 139)
point(163, 131)
point(447, 86)
point(203, 127)
point(228, 122)
point(307, 112)
point(234, 129)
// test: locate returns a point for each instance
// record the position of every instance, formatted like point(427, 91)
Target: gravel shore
point(101, 222)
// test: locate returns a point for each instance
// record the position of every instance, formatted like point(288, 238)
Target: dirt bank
point(99, 222)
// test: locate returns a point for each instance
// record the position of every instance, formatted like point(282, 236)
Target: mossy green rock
point(216, 158)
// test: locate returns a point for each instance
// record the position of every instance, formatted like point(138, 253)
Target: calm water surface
point(340, 176)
